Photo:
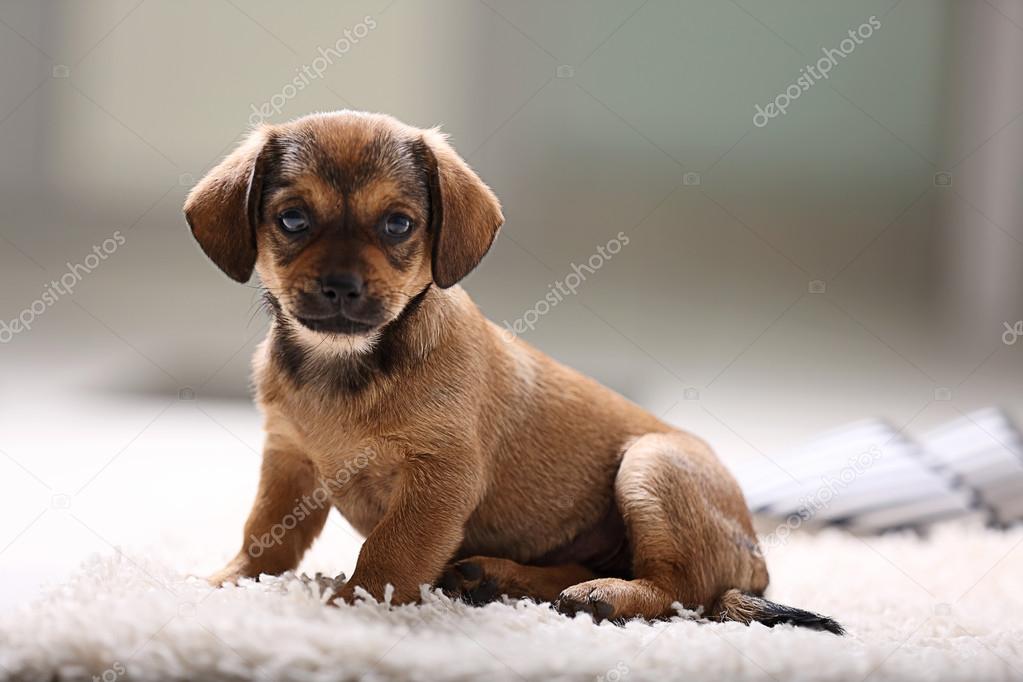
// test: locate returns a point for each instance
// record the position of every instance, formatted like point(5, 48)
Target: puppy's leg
point(688, 528)
point(479, 579)
point(422, 528)
point(290, 510)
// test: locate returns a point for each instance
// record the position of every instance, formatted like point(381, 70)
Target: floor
point(84, 477)
point(941, 608)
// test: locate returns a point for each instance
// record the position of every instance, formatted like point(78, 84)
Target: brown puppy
point(388, 395)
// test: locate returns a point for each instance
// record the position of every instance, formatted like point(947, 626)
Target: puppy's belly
point(600, 543)
point(602, 547)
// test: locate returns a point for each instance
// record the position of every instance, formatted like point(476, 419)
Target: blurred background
point(858, 255)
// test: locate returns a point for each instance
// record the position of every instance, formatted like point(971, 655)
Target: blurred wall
point(858, 255)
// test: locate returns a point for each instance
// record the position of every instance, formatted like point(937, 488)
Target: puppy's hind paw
point(570, 605)
point(466, 580)
point(602, 598)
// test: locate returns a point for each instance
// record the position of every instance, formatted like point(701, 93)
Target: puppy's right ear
point(222, 209)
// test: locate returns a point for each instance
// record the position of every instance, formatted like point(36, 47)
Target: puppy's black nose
point(346, 285)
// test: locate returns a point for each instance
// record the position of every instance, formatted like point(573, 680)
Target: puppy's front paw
point(468, 580)
point(232, 573)
point(224, 576)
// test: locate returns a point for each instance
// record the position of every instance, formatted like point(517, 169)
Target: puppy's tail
point(747, 608)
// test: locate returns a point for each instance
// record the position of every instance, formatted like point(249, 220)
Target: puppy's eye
point(293, 220)
point(397, 225)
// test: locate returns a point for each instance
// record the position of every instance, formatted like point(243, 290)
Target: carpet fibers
point(942, 607)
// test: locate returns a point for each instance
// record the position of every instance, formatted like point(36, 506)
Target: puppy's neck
point(350, 364)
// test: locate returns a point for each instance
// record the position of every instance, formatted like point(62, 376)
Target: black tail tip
point(800, 618)
point(748, 608)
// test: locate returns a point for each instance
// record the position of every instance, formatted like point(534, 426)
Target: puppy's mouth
point(338, 323)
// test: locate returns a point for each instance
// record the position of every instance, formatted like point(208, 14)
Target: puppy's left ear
point(222, 208)
point(465, 213)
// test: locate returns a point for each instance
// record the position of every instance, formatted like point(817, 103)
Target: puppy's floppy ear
point(222, 208)
point(465, 213)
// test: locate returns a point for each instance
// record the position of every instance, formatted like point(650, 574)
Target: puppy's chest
point(358, 466)
point(361, 475)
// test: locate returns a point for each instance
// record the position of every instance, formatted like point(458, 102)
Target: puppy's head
point(346, 217)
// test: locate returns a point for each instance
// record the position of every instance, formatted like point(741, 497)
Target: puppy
point(469, 460)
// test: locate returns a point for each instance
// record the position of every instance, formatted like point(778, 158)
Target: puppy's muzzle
point(346, 286)
point(341, 305)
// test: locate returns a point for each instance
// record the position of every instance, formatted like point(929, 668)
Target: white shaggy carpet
point(946, 607)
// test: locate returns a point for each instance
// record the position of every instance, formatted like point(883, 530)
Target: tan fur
point(474, 448)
